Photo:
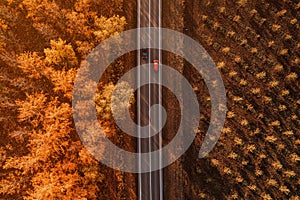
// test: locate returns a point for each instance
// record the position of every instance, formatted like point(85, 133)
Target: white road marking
point(150, 173)
point(160, 101)
point(138, 94)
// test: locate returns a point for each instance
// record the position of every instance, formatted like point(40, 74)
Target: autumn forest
point(255, 46)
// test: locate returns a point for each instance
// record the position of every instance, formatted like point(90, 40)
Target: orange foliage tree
point(53, 163)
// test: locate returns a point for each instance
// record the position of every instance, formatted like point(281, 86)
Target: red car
point(155, 65)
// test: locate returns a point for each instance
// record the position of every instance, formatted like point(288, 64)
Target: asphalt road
point(150, 184)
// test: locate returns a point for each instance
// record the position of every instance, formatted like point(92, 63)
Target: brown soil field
point(255, 45)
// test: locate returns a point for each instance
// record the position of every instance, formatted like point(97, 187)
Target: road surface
point(150, 185)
